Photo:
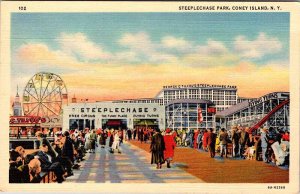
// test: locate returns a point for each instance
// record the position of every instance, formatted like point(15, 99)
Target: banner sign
point(26, 120)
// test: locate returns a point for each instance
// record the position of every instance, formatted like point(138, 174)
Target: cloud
point(212, 48)
point(84, 68)
point(261, 46)
point(79, 45)
point(145, 49)
point(139, 42)
point(179, 44)
point(40, 54)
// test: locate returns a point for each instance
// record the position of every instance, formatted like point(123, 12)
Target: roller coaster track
point(265, 118)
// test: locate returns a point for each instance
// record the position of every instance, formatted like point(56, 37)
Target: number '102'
point(22, 8)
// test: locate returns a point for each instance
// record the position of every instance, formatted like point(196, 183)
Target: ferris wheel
point(44, 95)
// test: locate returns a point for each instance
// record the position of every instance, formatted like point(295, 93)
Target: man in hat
point(42, 139)
point(47, 163)
point(93, 138)
point(244, 138)
point(235, 141)
point(157, 148)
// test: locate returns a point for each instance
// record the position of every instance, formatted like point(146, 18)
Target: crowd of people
point(268, 145)
point(60, 157)
point(70, 147)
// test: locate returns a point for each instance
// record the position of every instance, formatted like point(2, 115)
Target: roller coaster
point(271, 110)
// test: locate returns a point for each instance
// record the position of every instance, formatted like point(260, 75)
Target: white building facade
point(109, 114)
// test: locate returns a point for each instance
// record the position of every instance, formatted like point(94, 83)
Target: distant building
point(17, 108)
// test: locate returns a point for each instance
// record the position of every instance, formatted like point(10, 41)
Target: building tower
point(17, 108)
point(74, 99)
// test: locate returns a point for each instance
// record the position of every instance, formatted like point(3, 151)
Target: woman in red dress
point(195, 138)
point(169, 147)
point(204, 140)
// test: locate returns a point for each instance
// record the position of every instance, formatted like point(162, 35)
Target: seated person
point(250, 149)
point(30, 173)
point(77, 146)
point(47, 163)
point(42, 139)
point(65, 162)
point(16, 158)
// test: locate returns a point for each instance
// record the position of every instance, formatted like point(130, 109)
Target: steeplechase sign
point(99, 111)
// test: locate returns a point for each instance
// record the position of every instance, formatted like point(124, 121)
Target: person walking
point(111, 139)
point(197, 132)
point(204, 140)
point(157, 148)
point(235, 141)
point(93, 139)
point(116, 142)
point(244, 138)
point(211, 143)
point(223, 142)
point(264, 143)
point(87, 141)
point(170, 146)
point(102, 139)
point(129, 134)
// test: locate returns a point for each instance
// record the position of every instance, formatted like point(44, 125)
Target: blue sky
point(177, 36)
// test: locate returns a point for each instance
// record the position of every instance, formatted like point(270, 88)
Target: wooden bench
point(48, 177)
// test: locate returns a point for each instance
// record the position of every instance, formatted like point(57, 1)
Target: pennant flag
point(211, 110)
point(65, 96)
point(200, 116)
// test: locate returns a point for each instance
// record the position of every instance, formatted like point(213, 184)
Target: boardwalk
point(132, 166)
point(190, 166)
point(231, 170)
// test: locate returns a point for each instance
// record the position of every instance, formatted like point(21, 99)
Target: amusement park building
point(190, 114)
point(271, 110)
point(223, 96)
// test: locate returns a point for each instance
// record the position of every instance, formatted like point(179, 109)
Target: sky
point(110, 56)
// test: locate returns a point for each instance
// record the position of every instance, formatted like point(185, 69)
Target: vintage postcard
point(147, 97)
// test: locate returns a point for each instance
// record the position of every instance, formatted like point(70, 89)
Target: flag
point(65, 96)
point(211, 110)
point(200, 116)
